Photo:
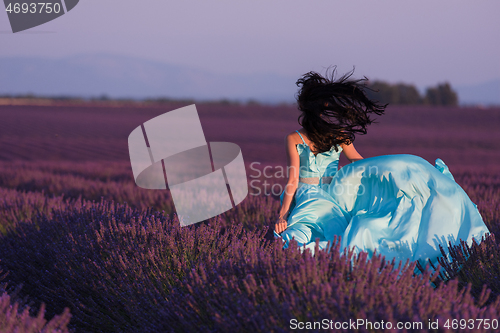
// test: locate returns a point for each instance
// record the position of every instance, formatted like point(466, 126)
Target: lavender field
point(84, 249)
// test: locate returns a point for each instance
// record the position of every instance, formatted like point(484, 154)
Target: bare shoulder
point(350, 152)
point(292, 137)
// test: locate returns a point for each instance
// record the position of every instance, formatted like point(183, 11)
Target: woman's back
point(317, 169)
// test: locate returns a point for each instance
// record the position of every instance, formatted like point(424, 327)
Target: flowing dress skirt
point(397, 205)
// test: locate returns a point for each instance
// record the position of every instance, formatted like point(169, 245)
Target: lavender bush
point(26, 188)
point(125, 270)
point(15, 320)
point(473, 266)
point(82, 236)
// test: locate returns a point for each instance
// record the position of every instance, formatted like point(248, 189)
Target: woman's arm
point(351, 153)
point(293, 165)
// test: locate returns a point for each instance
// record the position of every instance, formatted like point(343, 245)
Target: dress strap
point(301, 137)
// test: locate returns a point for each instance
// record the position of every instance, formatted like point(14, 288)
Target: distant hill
point(128, 77)
point(487, 93)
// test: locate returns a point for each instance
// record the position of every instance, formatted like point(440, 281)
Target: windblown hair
point(333, 111)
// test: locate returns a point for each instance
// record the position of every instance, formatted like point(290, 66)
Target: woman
point(398, 205)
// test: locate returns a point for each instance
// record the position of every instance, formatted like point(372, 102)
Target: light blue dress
point(397, 205)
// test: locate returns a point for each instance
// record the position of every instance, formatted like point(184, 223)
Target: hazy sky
point(421, 42)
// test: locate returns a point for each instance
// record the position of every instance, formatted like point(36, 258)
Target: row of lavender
point(61, 184)
point(130, 267)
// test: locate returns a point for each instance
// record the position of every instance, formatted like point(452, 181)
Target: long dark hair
point(334, 110)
